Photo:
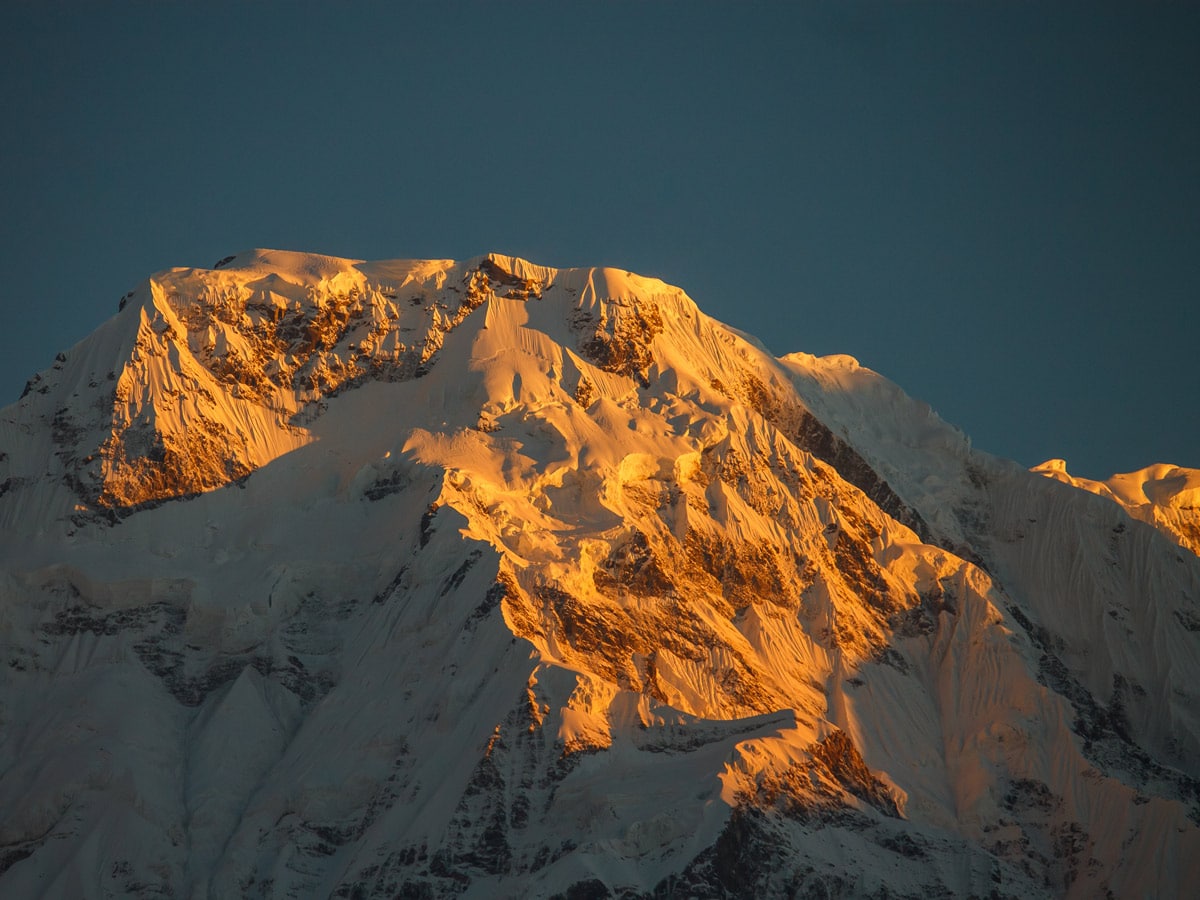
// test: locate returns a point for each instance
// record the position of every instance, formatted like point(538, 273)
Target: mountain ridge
point(488, 578)
point(1164, 496)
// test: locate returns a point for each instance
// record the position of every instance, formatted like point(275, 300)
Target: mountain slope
point(489, 579)
point(1167, 497)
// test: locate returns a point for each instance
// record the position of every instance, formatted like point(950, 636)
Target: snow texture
point(324, 577)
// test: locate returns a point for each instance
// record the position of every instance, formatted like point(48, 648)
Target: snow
point(1165, 496)
point(490, 578)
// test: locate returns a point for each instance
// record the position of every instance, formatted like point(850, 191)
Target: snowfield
point(323, 577)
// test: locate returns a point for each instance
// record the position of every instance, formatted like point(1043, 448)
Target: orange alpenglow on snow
point(1165, 496)
point(344, 578)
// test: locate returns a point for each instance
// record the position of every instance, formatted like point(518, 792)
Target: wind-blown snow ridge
point(434, 578)
point(1165, 496)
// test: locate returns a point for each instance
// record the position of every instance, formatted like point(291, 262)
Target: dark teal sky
point(996, 206)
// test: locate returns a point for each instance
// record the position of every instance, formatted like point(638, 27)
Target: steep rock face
point(489, 579)
point(208, 374)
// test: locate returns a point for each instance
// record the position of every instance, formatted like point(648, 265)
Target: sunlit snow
point(325, 577)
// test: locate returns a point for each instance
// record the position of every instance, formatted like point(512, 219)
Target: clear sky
point(996, 206)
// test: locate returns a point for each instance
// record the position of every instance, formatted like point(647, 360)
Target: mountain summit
point(323, 577)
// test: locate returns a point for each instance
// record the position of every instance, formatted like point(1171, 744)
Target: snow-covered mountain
point(431, 578)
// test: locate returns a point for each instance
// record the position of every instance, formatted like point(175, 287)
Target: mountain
point(325, 577)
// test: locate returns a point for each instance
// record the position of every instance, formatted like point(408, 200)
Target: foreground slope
point(324, 577)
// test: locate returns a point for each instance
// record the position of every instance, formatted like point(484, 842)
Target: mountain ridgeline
point(325, 577)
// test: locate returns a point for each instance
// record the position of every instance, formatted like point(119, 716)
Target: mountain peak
point(207, 374)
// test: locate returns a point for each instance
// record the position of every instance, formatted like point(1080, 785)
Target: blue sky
point(996, 206)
